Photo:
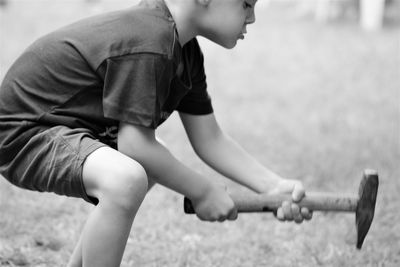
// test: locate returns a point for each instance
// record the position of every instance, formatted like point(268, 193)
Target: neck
point(183, 20)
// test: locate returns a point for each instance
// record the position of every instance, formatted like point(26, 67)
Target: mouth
point(241, 35)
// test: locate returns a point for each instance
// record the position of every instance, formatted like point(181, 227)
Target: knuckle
point(298, 221)
point(295, 208)
point(213, 218)
point(221, 219)
point(233, 217)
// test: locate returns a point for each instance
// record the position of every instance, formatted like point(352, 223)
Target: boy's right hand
point(215, 205)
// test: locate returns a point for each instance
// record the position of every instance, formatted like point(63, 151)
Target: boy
point(79, 109)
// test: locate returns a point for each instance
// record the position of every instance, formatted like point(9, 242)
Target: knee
point(125, 187)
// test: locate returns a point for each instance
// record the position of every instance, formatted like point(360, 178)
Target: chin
point(229, 45)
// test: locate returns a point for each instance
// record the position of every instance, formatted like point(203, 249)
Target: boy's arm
point(227, 157)
point(211, 201)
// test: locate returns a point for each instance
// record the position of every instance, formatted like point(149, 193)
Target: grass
point(317, 102)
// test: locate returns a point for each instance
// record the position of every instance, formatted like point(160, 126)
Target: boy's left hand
point(290, 211)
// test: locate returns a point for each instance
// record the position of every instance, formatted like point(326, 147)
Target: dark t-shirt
point(121, 66)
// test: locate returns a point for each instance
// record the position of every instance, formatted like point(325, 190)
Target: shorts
point(52, 161)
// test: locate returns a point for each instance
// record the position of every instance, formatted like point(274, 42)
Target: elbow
point(136, 150)
point(136, 142)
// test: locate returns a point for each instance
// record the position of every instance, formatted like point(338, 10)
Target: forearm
point(225, 156)
point(165, 169)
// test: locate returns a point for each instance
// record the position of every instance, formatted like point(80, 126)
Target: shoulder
point(138, 29)
point(129, 31)
point(149, 30)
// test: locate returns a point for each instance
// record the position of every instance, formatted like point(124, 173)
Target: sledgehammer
point(362, 204)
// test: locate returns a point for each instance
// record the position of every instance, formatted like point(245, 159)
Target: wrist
point(202, 188)
point(269, 184)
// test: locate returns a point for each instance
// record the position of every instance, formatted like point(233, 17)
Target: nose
point(251, 17)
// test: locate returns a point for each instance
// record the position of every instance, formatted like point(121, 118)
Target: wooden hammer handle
point(270, 203)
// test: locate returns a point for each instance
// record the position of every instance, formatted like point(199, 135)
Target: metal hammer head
point(366, 204)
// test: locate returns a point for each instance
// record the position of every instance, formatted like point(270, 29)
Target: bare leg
point(76, 257)
point(120, 184)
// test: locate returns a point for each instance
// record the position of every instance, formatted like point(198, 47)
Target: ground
point(312, 101)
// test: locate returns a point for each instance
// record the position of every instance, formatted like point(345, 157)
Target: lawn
point(312, 101)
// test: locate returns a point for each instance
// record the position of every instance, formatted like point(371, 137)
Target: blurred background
point(313, 92)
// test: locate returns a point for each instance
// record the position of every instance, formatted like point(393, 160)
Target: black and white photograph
point(199, 133)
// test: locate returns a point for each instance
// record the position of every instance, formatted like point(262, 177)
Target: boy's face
point(228, 20)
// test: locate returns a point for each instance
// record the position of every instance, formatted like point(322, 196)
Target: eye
point(246, 5)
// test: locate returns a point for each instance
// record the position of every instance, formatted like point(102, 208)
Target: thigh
point(52, 161)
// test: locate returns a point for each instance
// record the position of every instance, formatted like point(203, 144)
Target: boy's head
point(220, 21)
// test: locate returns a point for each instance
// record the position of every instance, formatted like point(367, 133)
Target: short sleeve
point(197, 101)
point(130, 92)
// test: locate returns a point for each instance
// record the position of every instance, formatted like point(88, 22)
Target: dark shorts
point(52, 161)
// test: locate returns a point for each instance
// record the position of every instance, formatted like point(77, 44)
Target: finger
point(296, 213)
point(306, 213)
point(287, 210)
point(275, 212)
point(200, 218)
point(221, 218)
point(279, 214)
point(206, 219)
point(233, 215)
point(298, 192)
